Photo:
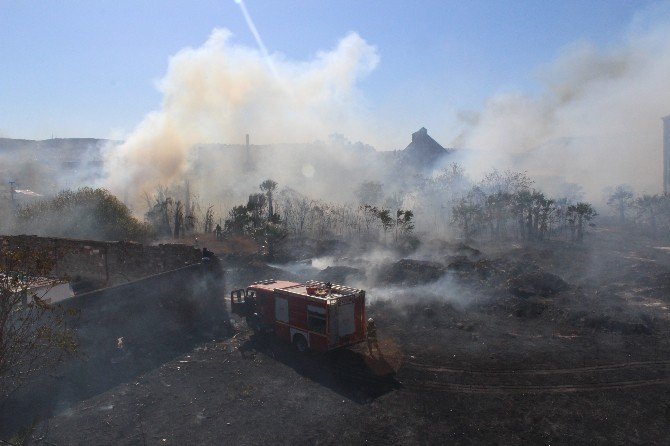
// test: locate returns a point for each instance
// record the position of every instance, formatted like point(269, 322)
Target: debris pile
point(465, 267)
point(538, 283)
point(341, 274)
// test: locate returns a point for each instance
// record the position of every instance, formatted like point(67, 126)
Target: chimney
point(666, 155)
point(12, 191)
point(249, 162)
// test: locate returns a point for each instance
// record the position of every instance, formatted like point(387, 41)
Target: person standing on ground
point(372, 337)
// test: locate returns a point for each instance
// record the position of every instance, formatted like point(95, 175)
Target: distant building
point(423, 151)
point(422, 143)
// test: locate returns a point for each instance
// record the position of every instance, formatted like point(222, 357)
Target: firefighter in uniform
point(372, 336)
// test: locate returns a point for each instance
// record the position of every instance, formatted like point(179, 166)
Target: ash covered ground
point(551, 343)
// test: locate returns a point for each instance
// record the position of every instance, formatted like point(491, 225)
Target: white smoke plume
point(596, 121)
point(220, 91)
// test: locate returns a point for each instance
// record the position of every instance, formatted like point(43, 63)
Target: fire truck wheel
point(300, 343)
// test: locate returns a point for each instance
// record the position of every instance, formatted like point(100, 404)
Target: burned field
point(546, 343)
point(429, 224)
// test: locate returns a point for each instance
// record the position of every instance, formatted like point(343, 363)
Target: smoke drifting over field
point(220, 91)
point(596, 121)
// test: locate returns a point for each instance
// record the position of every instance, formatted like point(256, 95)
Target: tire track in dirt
point(573, 370)
point(431, 385)
point(445, 379)
point(434, 386)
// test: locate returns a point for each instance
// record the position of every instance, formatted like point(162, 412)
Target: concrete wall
point(159, 318)
point(106, 263)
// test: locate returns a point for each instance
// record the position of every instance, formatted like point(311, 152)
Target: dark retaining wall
point(159, 317)
point(106, 263)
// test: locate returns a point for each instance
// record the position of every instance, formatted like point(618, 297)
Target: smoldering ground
point(123, 332)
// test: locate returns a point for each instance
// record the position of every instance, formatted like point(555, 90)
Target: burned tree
point(648, 208)
point(178, 220)
point(578, 215)
point(385, 219)
point(621, 200)
point(248, 220)
point(255, 205)
point(208, 226)
point(404, 224)
point(269, 186)
point(160, 213)
point(239, 220)
point(465, 214)
point(370, 214)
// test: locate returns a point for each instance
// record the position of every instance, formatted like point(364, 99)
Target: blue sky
point(87, 69)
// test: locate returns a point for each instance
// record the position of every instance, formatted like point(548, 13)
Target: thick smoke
point(220, 91)
point(596, 122)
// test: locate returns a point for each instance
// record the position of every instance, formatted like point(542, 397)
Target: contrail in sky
point(257, 36)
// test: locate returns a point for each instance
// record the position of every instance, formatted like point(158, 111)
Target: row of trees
point(647, 213)
point(315, 218)
point(268, 217)
point(505, 206)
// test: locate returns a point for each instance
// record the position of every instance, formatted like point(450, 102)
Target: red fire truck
point(312, 315)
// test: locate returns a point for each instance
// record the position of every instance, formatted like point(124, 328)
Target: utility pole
point(11, 190)
point(666, 155)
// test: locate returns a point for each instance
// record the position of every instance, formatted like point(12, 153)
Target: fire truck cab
point(313, 315)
